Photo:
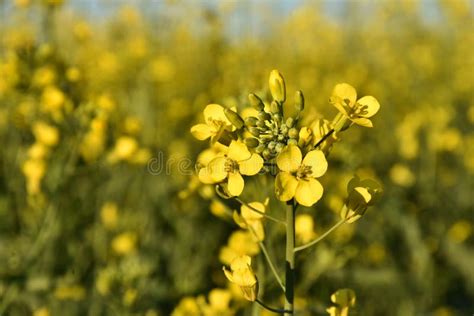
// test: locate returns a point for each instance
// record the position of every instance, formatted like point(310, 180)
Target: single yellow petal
point(205, 176)
point(241, 263)
point(371, 105)
point(251, 166)
point(289, 159)
point(345, 92)
point(201, 131)
point(238, 151)
point(217, 169)
point(213, 113)
point(285, 186)
point(250, 214)
point(317, 161)
point(228, 275)
point(308, 192)
point(364, 193)
point(362, 121)
point(235, 184)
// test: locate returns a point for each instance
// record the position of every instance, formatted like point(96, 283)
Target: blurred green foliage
point(87, 228)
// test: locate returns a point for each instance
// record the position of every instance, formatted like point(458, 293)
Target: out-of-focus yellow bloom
point(34, 170)
point(43, 311)
point(82, 30)
point(252, 220)
point(38, 151)
point(277, 86)
point(237, 162)
point(46, 134)
point(92, 146)
point(105, 102)
point(443, 311)
point(216, 124)
point(402, 175)
point(73, 74)
point(219, 300)
point(103, 281)
point(344, 299)
point(125, 148)
point(460, 231)
point(132, 125)
point(304, 228)
point(72, 292)
point(218, 208)
point(187, 306)
point(163, 69)
point(129, 297)
point(52, 99)
point(241, 273)
point(44, 76)
point(240, 243)
point(361, 195)
point(297, 176)
point(344, 98)
point(109, 215)
point(124, 243)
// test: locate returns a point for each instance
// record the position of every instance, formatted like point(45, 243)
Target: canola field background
point(101, 212)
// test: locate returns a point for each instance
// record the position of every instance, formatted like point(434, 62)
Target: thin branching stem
point(260, 212)
point(314, 242)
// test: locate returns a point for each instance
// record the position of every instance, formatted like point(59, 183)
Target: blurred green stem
point(290, 257)
point(314, 242)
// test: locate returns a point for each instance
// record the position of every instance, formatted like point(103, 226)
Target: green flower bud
point(277, 86)
point(267, 154)
point(260, 148)
point(256, 102)
point(234, 118)
point(292, 141)
point(293, 133)
point(284, 130)
point(271, 145)
point(251, 142)
point(277, 117)
point(299, 101)
point(274, 107)
point(261, 124)
point(279, 147)
point(263, 116)
point(290, 122)
point(251, 121)
point(254, 131)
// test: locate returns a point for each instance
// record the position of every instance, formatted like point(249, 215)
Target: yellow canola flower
point(361, 195)
point(344, 98)
point(73, 292)
point(251, 219)
point(46, 134)
point(187, 306)
point(241, 273)
point(297, 176)
point(124, 243)
point(277, 86)
point(216, 123)
point(109, 215)
point(34, 170)
point(240, 243)
point(237, 162)
point(124, 149)
point(344, 299)
point(219, 300)
point(52, 99)
point(304, 228)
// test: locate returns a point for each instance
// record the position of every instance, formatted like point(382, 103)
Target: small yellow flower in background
point(218, 208)
point(216, 124)
point(162, 69)
point(125, 148)
point(52, 99)
point(129, 297)
point(252, 220)
point(361, 195)
point(73, 74)
point(460, 231)
point(124, 243)
point(70, 292)
point(44, 76)
point(344, 299)
point(219, 300)
point(241, 273)
point(240, 243)
point(304, 228)
point(38, 151)
point(237, 162)
point(400, 174)
point(296, 178)
point(187, 306)
point(277, 86)
point(34, 170)
point(46, 134)
point(109, 215)
point(344, 98)
point(105, 102)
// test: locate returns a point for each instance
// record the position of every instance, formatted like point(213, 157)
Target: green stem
point(290, 258)
point(272, 266)
point(260, 212)
point(275, 310)
point(314, 242)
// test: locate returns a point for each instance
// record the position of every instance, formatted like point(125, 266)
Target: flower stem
point(272, 266)
point(275, 310)
point(314, 242)
point(260, 212)
point(290, 258)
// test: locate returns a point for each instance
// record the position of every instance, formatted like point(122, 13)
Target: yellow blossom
point(187, 306)
point(361, 195)
point(237, 162)
point(240, 243)
point(52, 99)
point(277, 86)
point(241, 273)
point(304, 228)
point(109, 215)
point(46, 134)
point(251, 219)
point(216, 124)
point(296, 178)
point(344, 299)
point(344, 98)
point(124, 243)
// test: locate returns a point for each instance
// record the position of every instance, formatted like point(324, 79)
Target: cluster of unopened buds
point(270, 142)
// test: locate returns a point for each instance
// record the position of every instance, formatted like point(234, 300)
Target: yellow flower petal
point(251, 166)
point(317, 161)
point(285, 186)
point(235, 184)
point(215, 112)
point(238, 151)
point(249, 214)
point(205, 176)
point(217, 169)
point(289, 159)
point(371, 104)
point(241, 263)
point(362, 121)
point(228, 274)
point(344, 91)
point(201, 131)
point(308, 192)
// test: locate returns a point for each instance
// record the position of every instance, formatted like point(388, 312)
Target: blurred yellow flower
point(304, 228)
point(46, 134)
point(129, 297)
point(361, 195)
point(400, 174)
point(241, 273)
point(71, 292)
point(109, 215)
point(296, 178)
point(237, 162)
point(240, 243)
point(187, 306)
point(252, 220)
point(344, 299)
point(344, 98)
point(34, 170)
point(124, 149)
point(460, 231)
point(52, 99)
point(124, 243)
point(219, 300)
point(43, 311)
